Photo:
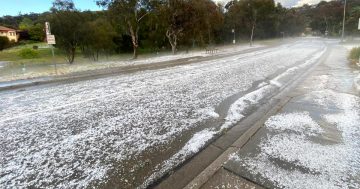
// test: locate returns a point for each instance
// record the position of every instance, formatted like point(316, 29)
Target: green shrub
point(28, 53)
point(355, 54)
point(4, 42)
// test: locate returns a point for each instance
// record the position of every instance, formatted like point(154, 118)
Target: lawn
point(14, 67)
point(355, 54)
point(45, 56)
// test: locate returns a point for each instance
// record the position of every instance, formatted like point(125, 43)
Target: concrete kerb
point(217, 164)
point(276, 103)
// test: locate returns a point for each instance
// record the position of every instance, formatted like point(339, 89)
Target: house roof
point(2, 28)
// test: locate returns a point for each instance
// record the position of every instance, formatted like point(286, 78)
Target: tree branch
point(143, 16)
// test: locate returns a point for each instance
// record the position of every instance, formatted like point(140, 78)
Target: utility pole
point(343, 26)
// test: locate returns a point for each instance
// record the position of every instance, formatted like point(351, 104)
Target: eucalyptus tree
point(353, 20)
point(98, 37)
point(63, 5)
point(208, 19)
point(253, 16)
point(66, 24)
point(187, 20)
point(176, 15)
point(128, 15)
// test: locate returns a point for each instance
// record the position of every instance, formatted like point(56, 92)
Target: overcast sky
point(287, 3)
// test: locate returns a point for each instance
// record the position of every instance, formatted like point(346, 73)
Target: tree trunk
point(73, 50)
point(135, 47)
point(173, 49)
point(93, 56)
point(135, 54)
point(252, 35)
point(172, 36)
point(253, 28)
point(134, 39)
point(209, 35)
point(71, 55)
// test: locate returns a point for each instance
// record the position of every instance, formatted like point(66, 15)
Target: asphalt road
point(129, 130)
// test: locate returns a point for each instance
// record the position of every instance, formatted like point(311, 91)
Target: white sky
point(288, 3)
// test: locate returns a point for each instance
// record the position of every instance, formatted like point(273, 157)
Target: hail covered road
point(127, 131)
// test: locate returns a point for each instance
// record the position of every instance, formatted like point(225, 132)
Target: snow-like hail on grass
point(327, 165)
point(33, 72)
point(73, 135)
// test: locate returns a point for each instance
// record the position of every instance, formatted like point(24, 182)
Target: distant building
point(11, 34)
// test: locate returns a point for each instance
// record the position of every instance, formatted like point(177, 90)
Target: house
point(11, 34)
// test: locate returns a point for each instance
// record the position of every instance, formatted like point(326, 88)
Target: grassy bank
point(15, 67)
point(44, 54)
point(355, 54)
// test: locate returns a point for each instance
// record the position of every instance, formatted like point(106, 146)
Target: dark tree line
point(130, 25)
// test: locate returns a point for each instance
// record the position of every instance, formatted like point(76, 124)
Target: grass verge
point(355, 54)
